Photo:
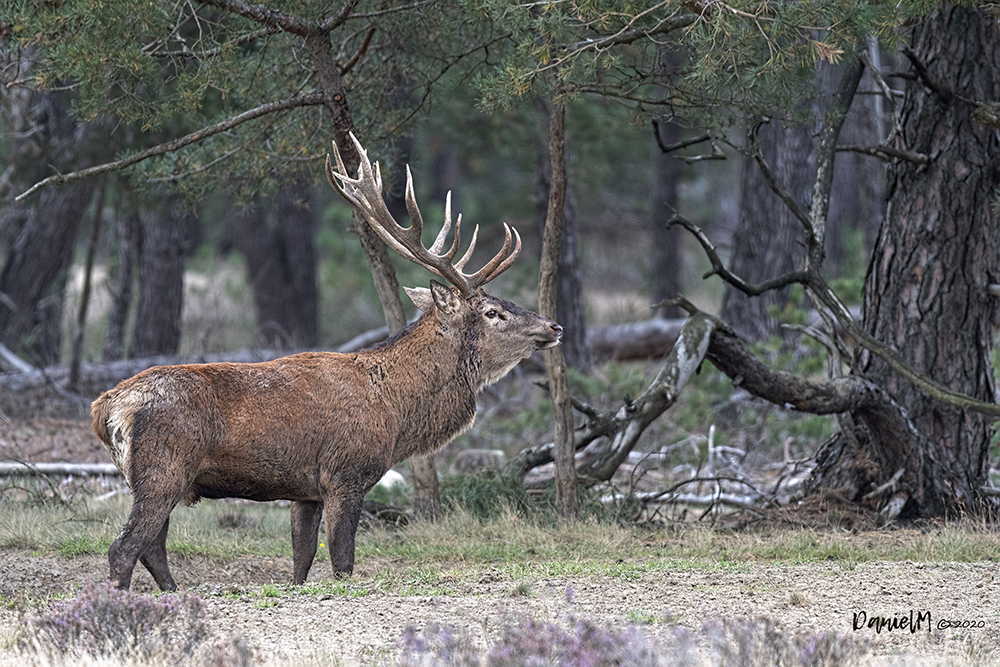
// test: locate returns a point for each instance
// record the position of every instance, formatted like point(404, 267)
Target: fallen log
point(649, 339)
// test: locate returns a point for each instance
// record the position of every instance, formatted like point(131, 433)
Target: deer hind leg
point(306, 517)
point(141, 537)
point(155, 560)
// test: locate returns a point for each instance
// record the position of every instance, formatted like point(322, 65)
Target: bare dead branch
point(623, 427)
point(335, 21)
point(891, 357)
point(886, 153)
point(716, 154)
point(936, 86)
point(886, 92)
point(833, 120)
point(349, 65)
point(772, 182)
point(171, 146)
point(719, 269)
point(665, 148)
point(887, 487)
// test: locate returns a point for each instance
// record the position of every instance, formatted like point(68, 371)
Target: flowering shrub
point(104, 621)
point(743, 641)
point(581, 643)
point(438, 646)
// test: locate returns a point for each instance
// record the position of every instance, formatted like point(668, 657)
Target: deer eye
point(492, 314)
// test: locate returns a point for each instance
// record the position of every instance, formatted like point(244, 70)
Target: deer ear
point(421, 298)
point(446, 300)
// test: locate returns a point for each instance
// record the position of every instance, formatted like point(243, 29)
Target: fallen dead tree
point(615, 434)
point(606, 439)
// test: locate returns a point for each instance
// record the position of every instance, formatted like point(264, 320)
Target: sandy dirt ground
point(362, 630)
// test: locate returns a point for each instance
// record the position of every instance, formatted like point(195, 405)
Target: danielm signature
point(913, 622)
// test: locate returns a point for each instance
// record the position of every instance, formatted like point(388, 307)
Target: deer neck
point(427, 373)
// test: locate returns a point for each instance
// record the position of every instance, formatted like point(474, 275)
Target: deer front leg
point(306, 516)
point(343, 496)
point(343, 511)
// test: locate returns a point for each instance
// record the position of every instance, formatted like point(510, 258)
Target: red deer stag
point(317, 428)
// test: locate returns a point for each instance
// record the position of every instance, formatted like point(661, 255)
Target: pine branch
point(264, 15)
point(628, 35)
point(669, 148)
point(171, 146)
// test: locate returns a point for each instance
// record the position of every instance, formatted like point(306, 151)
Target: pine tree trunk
point(161, 282)
point(121, 292)
point(569, 279)
point(925, 293)
point(555, 363)
point(767, 239)
point(666, 260)
point(42, 230)
point(276, 238)
point(34, 274)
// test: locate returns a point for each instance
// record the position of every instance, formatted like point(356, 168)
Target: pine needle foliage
point(163, 70)
point(736, 59)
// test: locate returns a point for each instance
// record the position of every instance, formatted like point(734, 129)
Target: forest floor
point(363, 625)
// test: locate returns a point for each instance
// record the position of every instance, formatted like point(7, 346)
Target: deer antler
point(365, 193)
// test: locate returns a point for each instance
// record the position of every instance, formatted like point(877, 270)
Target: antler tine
point(416, 219)
point(472, 246)
point(500, 262)
point(365, 193)
point(443, 234)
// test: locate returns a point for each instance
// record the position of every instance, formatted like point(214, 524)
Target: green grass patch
point(518, 547)
point(79, 545)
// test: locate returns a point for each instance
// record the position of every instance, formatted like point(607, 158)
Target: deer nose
point(557, 329)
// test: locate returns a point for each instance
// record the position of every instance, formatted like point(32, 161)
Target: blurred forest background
point(162, 191)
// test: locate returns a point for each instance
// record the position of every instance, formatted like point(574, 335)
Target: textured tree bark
point(666, 252)
point(42, 231)
point(555, 363)
point(34, 273)
point(767, 239)
point(569, 280)
point(161, 281)
point(281, 262)
point(121, 291)
point(666, 261)
point(926, 289)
